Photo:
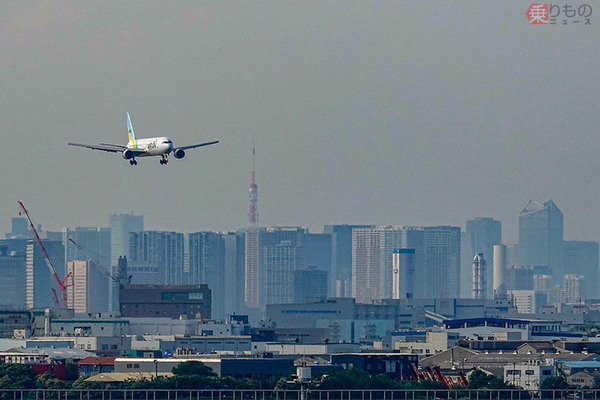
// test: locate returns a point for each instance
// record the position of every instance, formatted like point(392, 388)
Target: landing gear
point(132, 162)
point(164, 160)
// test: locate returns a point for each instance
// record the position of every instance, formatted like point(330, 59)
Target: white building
point(528, 376)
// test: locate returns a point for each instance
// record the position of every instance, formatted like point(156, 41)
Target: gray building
point(12, 280)
point(341, 258)
point(309, 283)
point(442, 261)
point(164, 250)
point(120, 226)
point(581, 257)
point(541, 237)
point(207, 265)
point(39, 281)
point(403, 278)
point(234, 272)
point(484, 233)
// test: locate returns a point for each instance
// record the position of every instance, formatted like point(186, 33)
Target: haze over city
point(377, 113)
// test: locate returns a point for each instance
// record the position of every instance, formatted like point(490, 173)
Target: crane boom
point(96, 263)
point(62, 287)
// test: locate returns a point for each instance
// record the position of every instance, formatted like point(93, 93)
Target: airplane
point(156, 146)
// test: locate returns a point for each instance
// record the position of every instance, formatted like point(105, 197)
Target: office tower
point(19, 229)
point(366, 265)
point(581, 258)
point(163, 250)
point(372, 259)
point(390, 238)
point(341, 258)
point(572, 288)
point(95, 242)
point(403, 269)
point(541, 237)
point(517, 277)
point(318, 251)
point(499, 267)
point(12, 279)
point(442, 261)
point(282, 252)
point(310, 284)
point(256, 240)
point(484, 233)
point(207, 265)
point(280, 262)
point(478, 276)
point(233, 272)
point(414, 238)
point(120, 225)
point(39, 281)
point(89, 285)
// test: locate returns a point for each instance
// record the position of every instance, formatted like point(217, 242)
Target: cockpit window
point(168, 141)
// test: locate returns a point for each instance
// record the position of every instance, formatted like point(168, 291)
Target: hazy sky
point(386, 112)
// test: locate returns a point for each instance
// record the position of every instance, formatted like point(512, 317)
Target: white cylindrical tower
point(499, 266)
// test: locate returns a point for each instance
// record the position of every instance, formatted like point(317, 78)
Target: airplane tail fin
point(132, 142)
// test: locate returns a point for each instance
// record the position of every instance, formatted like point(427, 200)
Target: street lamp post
point(156, 368)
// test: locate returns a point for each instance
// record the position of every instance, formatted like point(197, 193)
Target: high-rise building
point(95, 242)
point(519, 278)
point(372, 258)
point(121, 225)
point(318, 251)
point(366, 265)
point(234, 272)
point(442, 261)
point(484, 233)
point(581, 258)
point(309, 283)
point(163, 250)
point(341, 258)
point(87, 294)
point(403, 264)
point(280, 262)
point(282, 252)
point(19, 229)
point(207, 265)
point(541, 237)
point(39, 281)
point(572, 293)
point(257, 274)
point(12, 280)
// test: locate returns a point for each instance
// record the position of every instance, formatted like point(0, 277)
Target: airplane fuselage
point(157, 146)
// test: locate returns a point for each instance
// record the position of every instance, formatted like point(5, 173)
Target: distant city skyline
point(419, 114)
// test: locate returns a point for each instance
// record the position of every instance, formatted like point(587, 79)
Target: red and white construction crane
point(62, 285)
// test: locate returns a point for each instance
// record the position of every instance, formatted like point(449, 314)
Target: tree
point(16, 376)
point(554, 382)
point(193, 368)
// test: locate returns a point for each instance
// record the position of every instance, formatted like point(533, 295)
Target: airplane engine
point(178, 153)
point(127, 154)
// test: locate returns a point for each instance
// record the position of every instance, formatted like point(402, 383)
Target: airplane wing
point(112, 148)
point(193, 146)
